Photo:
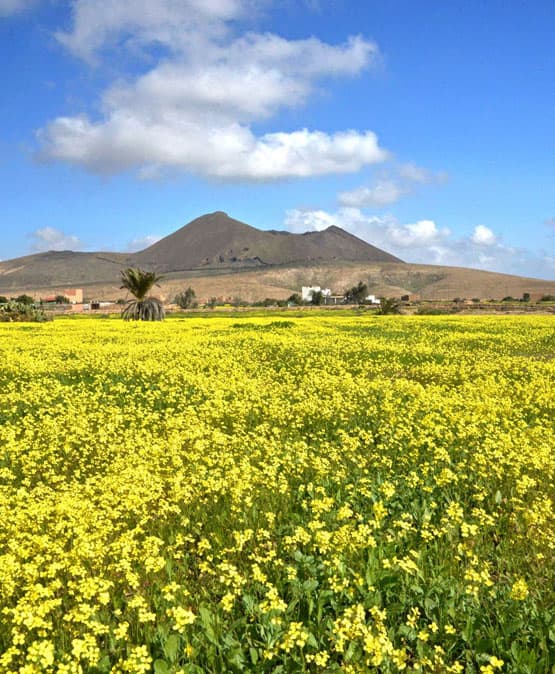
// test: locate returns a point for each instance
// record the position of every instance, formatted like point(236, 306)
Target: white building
point(307, 291)
point(372, 299)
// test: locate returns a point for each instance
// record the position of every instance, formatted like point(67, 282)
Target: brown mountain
point(222, 257)
point(213, 243)
point(216, 241)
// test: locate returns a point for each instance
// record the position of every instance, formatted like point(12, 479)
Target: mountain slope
point(223, 257)
point(215, 240)
point(60, 268)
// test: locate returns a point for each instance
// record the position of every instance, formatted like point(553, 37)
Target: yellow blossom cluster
point(312, 492)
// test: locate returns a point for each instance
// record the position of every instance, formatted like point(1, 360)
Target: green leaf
point(161, 667)
point(171, 647)
point(253, 652)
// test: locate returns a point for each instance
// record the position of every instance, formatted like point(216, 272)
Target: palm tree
point(139, 283)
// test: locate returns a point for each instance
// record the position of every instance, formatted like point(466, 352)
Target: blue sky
point(426, 128)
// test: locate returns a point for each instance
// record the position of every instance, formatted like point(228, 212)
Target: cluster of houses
point(308, 291)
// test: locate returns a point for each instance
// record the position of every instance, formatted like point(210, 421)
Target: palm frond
point(148, 309)
point(138, 282)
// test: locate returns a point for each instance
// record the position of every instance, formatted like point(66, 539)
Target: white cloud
point(142, 242)
point(383, 193)
point(550, 222)
point(301, 220)
point(417, 174)
point(384, 231)
point(173, 23)
point(50, 238)
point(483, 236)
point(425, 242)
point(194, 110)
point(394, 184)
point(9, 7)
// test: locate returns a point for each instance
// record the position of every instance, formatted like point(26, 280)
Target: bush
point(296, 299)
point(389, 305)
point(19, 312)
point(437, 311)
point(317, 298)
point(186, 300)
point(25, 299)
point(357, 294)
point(547, 298)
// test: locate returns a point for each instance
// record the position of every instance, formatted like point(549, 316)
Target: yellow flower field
point(321, 493)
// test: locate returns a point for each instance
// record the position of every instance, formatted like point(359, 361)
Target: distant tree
point(3, 300)
point(405, 298)
point(295, 298)
point(357, 294)
point(186, 300)
point(25, 299)
point(476, 300)
point(143, 307)
point(317, 298)
point(212, 302)
point(508, 298)
point(544, 298)
point(525, 297)
point(61, 299)
point(389, 305)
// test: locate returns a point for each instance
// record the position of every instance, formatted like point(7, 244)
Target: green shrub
point(19, 312)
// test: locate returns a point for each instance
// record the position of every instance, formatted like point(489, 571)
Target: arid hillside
point(224, 258)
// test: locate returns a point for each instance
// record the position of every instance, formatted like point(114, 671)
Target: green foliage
point(525, 297)
point(296, 299)
point(187, 299)
point(3, 299)
point(139, 283)
point(547, 298)
point(61, 299)
point(357, 294)
point(18, 312)
point(149, 309)
point(317, 298)
point(25, 299)
point(389, 305)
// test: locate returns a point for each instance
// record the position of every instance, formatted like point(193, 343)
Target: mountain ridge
point(214, 239)
point(211, 242)
point(220, 256)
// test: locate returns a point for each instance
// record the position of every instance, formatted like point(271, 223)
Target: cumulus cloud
point(194, 110)
point(9, 7)
point(387, 190)
point(418, 174)
point(383, 231)
point(425, 242)
point(174, 23)
point(383, 193)
point(142, 242)
point(50, 238)
point(483, 236)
